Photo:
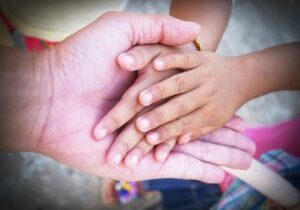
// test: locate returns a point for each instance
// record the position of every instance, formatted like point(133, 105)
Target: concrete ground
point(31, 181)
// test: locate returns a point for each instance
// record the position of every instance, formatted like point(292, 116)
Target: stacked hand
point(130, 107)
point(86, 82)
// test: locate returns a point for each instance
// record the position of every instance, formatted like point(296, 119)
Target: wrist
point(254, 81)
point(247, 79)
point(25, 99)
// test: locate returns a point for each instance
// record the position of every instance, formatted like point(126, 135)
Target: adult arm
point(24, 98)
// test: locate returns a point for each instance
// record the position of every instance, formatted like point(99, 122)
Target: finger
point(184, 61)
point(196, 134)
point(139, 57)
point(183, 166)
point(147, 29)
point(163, 150)
point(217, 154)
point(171, 110)
point(228, 137)
point(185, 138)
point(123, 111)
point(125, 141)
point(174, 85)
point(237, 124)
point(137, 153)
point(190, 122)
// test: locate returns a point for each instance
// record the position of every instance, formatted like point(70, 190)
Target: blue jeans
point(180, 194)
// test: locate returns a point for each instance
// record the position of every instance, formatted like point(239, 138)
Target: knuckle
point(128, 95)
point(209, 90)
point(133, 91)
point(160, 90)
point(182, 125)
point(140, 53)
point(168, 59)
point(180, 83)
point(130, 99)
point(164, 132)
point(143, 148)
point(171, 143)
point(186, 59)
point(206, 72)
point(158, 115)
point(115, 121)
point(179, 108)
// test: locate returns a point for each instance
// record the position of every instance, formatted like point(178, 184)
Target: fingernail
point(101, 133)
point(159, 64)
point(117, 158)
point(186, 138)
point(153, 138)
point(128, 58)
point(143, 124)
point(132, 161)
point(146, 98)
point(162, 156)
point(134, 158)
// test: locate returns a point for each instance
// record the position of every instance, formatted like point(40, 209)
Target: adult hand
point(81, 82)
point(85, 81)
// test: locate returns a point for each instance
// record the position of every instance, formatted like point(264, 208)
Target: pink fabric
point(285, 136)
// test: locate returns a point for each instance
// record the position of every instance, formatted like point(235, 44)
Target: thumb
point(151, 29)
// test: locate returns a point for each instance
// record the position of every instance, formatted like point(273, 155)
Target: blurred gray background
point(33, 182)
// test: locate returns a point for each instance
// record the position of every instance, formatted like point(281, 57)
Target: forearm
point(22, 112)
point(212, 15)
point(272, 69)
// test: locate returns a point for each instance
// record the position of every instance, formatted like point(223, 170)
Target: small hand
point(204, 97)
point(130, 140)
point(129, 109)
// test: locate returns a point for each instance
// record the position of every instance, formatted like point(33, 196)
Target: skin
point(128, 110)
point(217, 78)
point(213, 22)
point(207, 79)
point(212, 15)
point(51, 100)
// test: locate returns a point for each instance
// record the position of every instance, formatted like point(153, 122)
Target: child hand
point(204, 97)
point(132, 151)
point(128, 108)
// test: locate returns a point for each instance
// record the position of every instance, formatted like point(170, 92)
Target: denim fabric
point(184, 194)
